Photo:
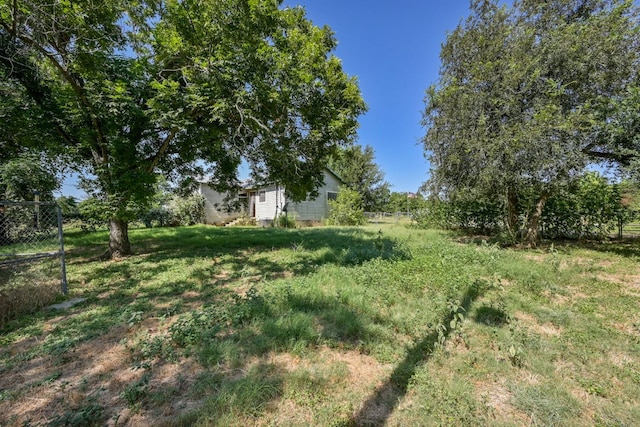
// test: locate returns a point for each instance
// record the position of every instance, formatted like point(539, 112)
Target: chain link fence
point(389, 217)
point(32, 264)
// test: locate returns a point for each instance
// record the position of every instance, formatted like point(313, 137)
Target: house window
point(262, 196)
point(332, 195)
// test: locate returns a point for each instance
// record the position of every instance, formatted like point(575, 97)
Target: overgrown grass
point(26, 287)
point(331, 326)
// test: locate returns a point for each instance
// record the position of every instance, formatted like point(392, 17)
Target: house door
point(252, 205)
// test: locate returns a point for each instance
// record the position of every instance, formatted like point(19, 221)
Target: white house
point(264, 204)
point(215, 210)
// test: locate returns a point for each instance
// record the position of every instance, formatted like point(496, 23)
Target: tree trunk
point(533, 225)
point(512, 212)
point(119, 238)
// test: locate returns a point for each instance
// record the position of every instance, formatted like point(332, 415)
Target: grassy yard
point(330, 327)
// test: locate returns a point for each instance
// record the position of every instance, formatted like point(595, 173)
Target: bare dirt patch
point(93, 373)
point(532, 323)
point(539, 258)
point(621, 360)
point(629, 282)
point(577, 294)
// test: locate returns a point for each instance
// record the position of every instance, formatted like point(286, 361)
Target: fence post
point(36, 210)
point(62, 260)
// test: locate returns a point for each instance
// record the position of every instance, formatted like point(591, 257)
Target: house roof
point(335, 175)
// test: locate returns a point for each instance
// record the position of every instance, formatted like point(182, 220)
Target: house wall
point(214, 211)
point(272, 205)
point(317, 209)
point(275, 198)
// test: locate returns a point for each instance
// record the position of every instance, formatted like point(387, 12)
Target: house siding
point(272, 206)
point(274, 200)
point(214, 213)
point(318, 208)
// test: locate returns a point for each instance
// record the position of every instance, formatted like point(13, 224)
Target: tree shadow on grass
point(214, 323)
point(345, 246)
point(217, 256)
point(628, 247)
point(381, 404)
point(119, 293)
point(256, 325)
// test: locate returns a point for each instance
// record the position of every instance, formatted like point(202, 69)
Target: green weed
point(136, 391)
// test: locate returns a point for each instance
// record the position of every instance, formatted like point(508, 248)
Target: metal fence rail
point(631, 230)
point(32, 262)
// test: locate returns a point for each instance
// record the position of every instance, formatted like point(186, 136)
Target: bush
point(435, 214)
point(245, 220)
point(284, 221)
point(156, 217)
point(346, 209)
point(187, 210)
point(471, 212)
point(94, 213)
point(591, 207)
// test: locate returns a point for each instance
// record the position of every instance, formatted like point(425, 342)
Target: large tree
point(357, 168)
point(182, 87)
point(528, 96)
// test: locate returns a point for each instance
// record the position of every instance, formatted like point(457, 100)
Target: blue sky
point(393, 47)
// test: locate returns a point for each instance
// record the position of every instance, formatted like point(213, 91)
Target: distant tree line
point(167, 208)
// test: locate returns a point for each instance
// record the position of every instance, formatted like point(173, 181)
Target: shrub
point(245, 220)
point(187, 210)
point(284, 221)
point(471, 212)
point(346, 209)
point(591, 207)
point(156, 217)
point(435, 214)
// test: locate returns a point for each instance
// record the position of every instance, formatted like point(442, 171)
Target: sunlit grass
point(336, 326)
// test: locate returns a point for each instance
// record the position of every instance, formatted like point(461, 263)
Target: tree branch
point(163, 148)
point(624, 159)
point(75, 85)
point(37, 93)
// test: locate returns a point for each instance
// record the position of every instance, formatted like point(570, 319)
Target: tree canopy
point(23, 175)
point(357, 168)
point(127, 89)
point(528, 96)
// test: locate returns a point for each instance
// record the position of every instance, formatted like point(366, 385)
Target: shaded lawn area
point(381, 325)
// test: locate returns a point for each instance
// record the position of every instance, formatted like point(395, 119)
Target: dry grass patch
point(498, 398)
point(547, 329)
point(621, 360)
point(336, 382)
point(97, 373)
